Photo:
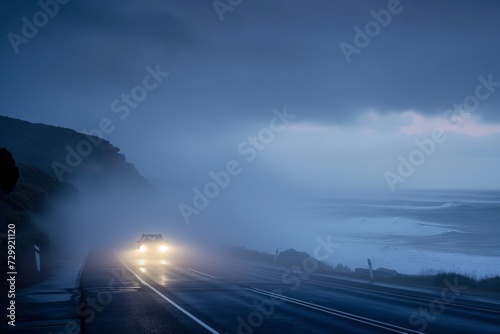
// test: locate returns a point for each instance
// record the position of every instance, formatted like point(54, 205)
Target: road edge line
point(199, 272)
point(180, 308)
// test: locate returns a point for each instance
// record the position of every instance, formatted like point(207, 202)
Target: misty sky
point(355, 115)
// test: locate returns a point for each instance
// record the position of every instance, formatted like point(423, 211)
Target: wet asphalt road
point(122, 293)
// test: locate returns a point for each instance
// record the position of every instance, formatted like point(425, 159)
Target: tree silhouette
point(9, 173)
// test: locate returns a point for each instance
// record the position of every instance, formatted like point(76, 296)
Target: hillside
point(41, 188)
point(64, 153)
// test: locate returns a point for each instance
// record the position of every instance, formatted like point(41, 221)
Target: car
point(152, 245)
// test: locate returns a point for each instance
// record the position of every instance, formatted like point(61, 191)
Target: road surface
point(212, 294)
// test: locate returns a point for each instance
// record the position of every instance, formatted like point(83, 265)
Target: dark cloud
point(264, 54)
point(229, 74)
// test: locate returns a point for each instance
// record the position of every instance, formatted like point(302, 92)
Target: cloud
point(227, 76)
point(261, 56)
point(471, 126)
point(326, 157)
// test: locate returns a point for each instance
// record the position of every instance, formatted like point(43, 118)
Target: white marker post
point(37, 257)
point(371, 270)
point(276, 255)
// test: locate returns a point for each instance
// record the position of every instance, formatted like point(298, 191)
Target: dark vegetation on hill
point(9, 173)
point(33, 195)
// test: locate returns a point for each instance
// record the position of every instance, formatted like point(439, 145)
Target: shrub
point(489, 284)
point(441, 278)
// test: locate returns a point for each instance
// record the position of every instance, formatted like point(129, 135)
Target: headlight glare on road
point(163, 248)
point(142, 248)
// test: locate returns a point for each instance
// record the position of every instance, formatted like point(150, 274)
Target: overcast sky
point(355, 114)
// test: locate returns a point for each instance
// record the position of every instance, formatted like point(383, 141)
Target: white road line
point(405, 296)
point(392, 293)
point(207, 327)
point(358, 318)
point(199, 272)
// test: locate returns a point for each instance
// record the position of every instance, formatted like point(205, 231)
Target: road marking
point(405, 296)
point(358, 318)
point(388, 293)
point(199, 272)
point(180, 308)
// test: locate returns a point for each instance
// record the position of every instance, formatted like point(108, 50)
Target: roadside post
point(37, 257)
point(276, 255)
point(371, 270)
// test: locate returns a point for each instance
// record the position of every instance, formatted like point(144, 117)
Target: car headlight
point(142, 248)
point(163, 248)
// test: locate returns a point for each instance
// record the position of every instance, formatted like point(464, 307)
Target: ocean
point(414, 232)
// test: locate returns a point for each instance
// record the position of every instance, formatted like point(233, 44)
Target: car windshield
point(152, 238)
